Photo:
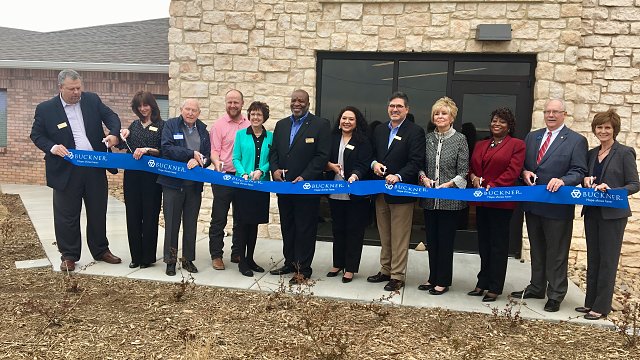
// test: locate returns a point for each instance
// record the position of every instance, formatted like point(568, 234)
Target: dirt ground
point(47, 315)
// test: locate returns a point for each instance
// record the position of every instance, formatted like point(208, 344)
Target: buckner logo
point(306, 186)
point(477, 193)
point(576, 194)
point(70, 155)
point(226, 177)
point(388, 186)
point(151, 163)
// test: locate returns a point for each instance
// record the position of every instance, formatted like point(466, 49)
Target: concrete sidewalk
point(38, 203)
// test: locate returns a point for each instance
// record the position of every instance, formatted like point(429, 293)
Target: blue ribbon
point(564, 195)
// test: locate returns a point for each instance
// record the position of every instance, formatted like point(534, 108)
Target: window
point(3, 117)
point(163, 104)
point(365, 80)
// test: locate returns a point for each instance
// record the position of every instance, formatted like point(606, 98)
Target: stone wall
point(588, 53)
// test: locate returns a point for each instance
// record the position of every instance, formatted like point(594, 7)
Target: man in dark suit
point(73, 120)
point(184, 139)
point(300, 150)
point(399, 152)
point(555, 156)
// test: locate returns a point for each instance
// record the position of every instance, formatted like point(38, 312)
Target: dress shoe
point(524, 294)
point(489, 297)
point(217, 264)
point(333, 273)
point(346, 279)
point(378, 278)
point(552, 305)
point(244, 269)
point(171, 269)
point(435, 291)
point(476, 292)
point(133, 265)
point(394, 285)
point(281, 271)
point(255, 267)
point(425, 287)
point(582, 309)
point(109, 258)
point(594, 316)
point(235, 259)
point(68, 265)
point(189, 266)
point(144, 265)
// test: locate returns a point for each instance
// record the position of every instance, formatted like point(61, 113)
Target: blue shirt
point(295, 126)
point(393, 132)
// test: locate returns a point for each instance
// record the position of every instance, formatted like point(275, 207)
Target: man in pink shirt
point(223, 134)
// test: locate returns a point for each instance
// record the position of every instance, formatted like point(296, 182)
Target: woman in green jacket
point(251, 160)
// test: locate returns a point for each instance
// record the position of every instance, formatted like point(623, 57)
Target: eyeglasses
point(396, 106)
point(554, 112)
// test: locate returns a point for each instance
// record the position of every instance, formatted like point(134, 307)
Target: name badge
point(397, 137)
point(178, 136)
point(309, 140)
point(349, 146)
point(153, 128)
point(62, 125)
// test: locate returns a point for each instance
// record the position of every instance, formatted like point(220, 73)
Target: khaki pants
point(394, 226)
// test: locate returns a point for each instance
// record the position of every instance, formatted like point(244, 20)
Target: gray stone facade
point(588, 53)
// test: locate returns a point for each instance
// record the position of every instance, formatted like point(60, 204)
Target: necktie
point(544, 147)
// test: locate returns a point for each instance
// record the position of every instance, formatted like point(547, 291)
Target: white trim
point(83, 66)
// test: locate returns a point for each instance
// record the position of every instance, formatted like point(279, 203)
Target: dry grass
point(47, 315)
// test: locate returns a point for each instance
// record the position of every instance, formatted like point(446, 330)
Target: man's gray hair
point(564, 107)
point(68, 73)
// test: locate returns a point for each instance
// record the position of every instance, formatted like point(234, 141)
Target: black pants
point(142, 197)
point(299, 225)
point(247, 235)
point(604, 242)
point(90, 185)
point(349, 219)
point(223, 197)
point(180, 205)
point(441, 231)
point(493, 245)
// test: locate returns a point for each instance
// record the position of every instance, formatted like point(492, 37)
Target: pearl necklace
point(495, 143)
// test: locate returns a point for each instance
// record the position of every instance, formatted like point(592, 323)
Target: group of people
point(304, 147)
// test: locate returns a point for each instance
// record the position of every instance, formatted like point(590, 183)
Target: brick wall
point(22, 162)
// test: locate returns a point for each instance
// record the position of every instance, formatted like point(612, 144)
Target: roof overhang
point(81, 66)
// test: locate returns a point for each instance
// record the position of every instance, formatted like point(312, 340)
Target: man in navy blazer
point(73, 120)
point(299, 152)
point(399, 152)
point(555, 156)
point(184, 139)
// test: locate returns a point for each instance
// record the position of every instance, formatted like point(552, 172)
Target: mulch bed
point(47, 315)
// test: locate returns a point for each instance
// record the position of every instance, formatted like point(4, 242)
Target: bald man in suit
point(555, 156)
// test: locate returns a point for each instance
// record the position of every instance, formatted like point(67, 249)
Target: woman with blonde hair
point(446, 166)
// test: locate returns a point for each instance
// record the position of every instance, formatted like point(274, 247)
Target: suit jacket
point(51, 127)
point(619, 171)
point(309, 151)
point(176, 149)
point(500, 166)
point(244, 153)
point(405, 156)
point(566, 159)
point(358, 156)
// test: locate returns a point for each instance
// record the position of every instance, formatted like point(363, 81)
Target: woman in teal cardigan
point(251, 160)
